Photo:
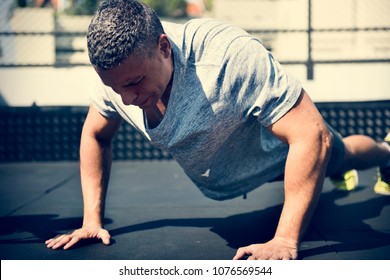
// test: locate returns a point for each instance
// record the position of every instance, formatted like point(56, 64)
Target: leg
point(356, 152)
point(362, 152)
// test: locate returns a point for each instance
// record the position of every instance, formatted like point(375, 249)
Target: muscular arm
point(309, 140)
point(95, 164)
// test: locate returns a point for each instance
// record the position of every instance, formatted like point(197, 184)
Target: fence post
point(309, 63)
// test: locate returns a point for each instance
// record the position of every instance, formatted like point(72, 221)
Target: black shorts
point(338, 153)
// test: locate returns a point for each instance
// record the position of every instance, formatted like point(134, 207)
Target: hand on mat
point(69, 239)
point(275, 249)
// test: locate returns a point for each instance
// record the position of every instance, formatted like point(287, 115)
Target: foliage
point(83, 7)
point(209, 5)
point(164, 8)
point(168, 8)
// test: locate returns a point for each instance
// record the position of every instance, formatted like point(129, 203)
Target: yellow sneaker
point(382, 185)
point(347, 181)
point(387, 138)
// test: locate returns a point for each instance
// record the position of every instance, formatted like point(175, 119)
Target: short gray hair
point(120, 28)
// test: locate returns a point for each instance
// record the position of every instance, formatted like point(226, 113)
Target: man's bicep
point(300, 123)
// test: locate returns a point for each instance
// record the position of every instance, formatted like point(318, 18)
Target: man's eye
point(134, 83)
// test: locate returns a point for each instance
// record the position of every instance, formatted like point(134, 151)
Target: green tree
point(83, 7)
point(168, 8)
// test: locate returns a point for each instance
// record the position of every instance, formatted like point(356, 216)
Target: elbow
point(104, 142)
point(326, 140)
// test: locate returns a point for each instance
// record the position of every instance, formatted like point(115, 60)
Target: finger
point(51, 240)
point(291, 256)
point(106, 240)
point(105, 237)
point(61, 243)
point(54, 241)
point(241, 252)
point(71, 242)
point(294, 256)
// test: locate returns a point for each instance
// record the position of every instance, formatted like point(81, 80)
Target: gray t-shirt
point(226, 90)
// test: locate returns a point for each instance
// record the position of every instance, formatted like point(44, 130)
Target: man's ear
point(164, 46)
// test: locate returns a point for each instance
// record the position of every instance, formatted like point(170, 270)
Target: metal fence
point(310, 32)
point(306, 32)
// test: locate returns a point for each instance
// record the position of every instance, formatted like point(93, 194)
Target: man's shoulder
point(207, 25)
point(191, 22)
point(202, 27)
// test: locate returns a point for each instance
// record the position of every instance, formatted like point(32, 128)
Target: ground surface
point(155, 212)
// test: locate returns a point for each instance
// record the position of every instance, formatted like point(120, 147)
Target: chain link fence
point(52, 32)
point(315, 31)
point(296, 31)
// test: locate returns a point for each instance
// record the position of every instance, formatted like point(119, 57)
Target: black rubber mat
point(155, 212)
point(53, 133)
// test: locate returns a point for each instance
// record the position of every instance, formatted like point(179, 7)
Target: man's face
point(141, 81)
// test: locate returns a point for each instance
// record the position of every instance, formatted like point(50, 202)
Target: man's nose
point(128, 97)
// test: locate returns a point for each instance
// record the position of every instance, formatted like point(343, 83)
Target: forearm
point(95, 165)
point(304, 177)
point(310, 143)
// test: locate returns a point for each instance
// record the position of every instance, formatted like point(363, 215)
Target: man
point(212, 96)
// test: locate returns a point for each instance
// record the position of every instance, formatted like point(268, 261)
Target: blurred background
point(339, 49)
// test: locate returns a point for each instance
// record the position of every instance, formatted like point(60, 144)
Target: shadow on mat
point(237, 230)
point(344, 228)
point(36, 228)
point(341, 226)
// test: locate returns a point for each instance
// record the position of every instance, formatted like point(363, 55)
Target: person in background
point(47, 3)
point(195, 8)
